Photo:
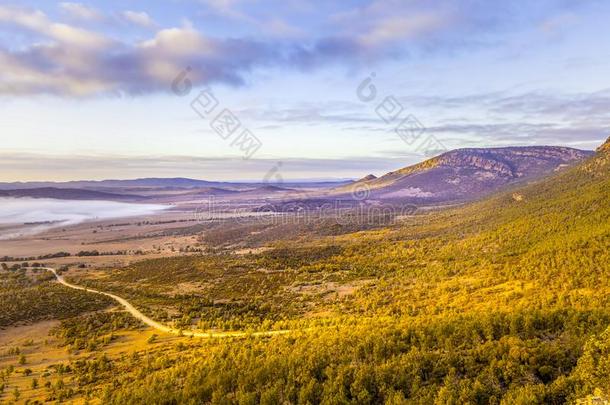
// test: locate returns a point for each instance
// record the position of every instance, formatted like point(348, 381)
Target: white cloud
point(66, 59)
point(80, 11)
point(76, 62)
point(37, 22)
point(140, 18)
point(178, 41)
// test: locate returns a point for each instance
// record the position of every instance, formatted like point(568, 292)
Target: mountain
point(69, 194)
point(368, 177)
point(465, 174)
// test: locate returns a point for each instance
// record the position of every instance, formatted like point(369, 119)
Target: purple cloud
point(70, 60)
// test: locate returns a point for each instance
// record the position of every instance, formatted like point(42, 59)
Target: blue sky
point(86, 88)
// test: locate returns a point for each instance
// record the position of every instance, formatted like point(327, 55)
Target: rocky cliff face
point(605, 147)
point(513, 162)
point(482, 160)
point(600, 164)
point(464, 174)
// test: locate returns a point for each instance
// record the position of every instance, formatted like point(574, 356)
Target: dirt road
point(159, 326)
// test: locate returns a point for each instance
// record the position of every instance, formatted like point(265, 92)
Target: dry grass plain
point(43, 353)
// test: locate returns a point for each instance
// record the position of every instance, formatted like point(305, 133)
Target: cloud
point(67, 60)
point(228, 9)
point(403, 27)
point(540, 117)
point(37, 22)
point(535, 104)
point(80, 11)
point(520, 133)
point(280, 28)
point(569, 106)
point(420, 24)
point(59, 64)
point(312, 114)
point(76, 62)
point(140, 18)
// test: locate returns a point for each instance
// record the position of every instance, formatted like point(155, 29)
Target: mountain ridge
point(169, 183)
point(468, 173)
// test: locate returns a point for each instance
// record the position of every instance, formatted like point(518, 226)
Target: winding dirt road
point(159, 326)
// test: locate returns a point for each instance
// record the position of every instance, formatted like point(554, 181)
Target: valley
point(500, 300)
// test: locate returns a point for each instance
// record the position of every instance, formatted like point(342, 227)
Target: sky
point(253, 89)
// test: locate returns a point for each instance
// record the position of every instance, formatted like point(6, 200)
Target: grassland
point(32, 295)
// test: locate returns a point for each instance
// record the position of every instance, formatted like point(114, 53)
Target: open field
point(48, 359)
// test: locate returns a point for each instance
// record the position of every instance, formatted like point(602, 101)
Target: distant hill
point(266, 189)
point(148, 184)
point(69, 194)
point(177, 182)
point(465, 174)
point(209, 191)
point(368, 177)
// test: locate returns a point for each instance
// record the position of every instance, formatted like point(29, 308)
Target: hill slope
point(504, 301)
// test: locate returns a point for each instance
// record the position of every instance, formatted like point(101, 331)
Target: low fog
point(34, 211)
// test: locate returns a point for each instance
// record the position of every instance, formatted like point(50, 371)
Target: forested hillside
point(502, 301)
